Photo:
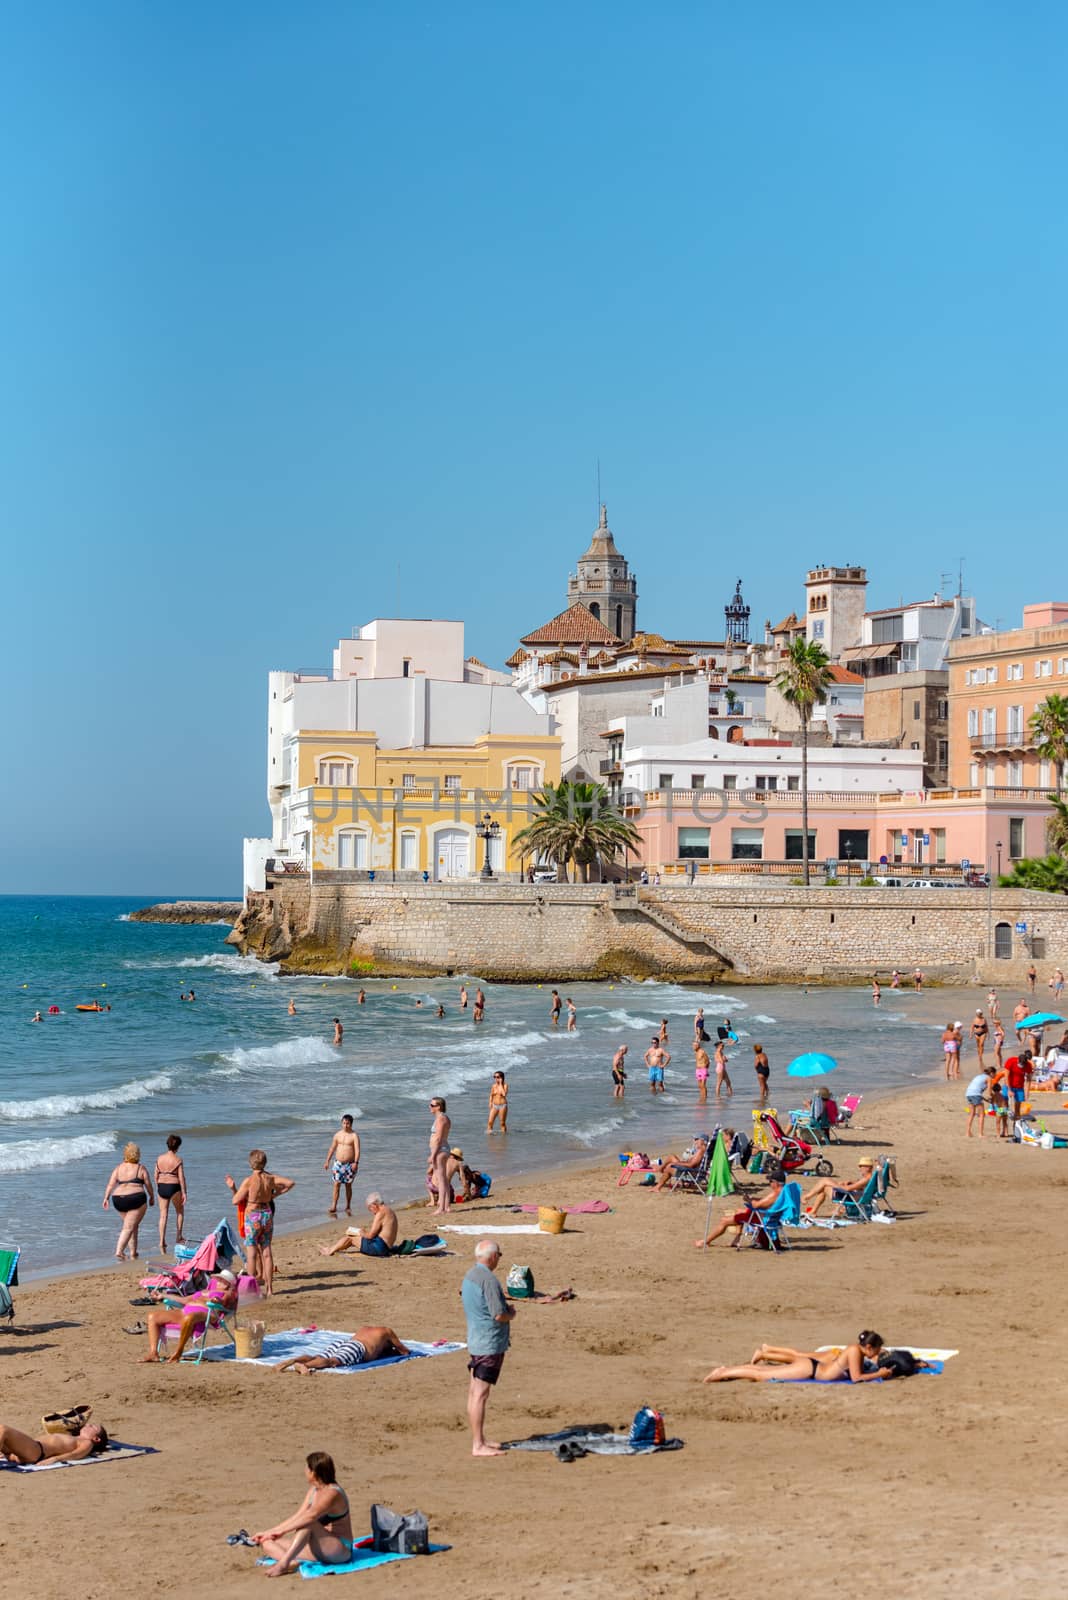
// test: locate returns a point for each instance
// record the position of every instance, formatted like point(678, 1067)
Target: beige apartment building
point(911, 710)
point(996, 682)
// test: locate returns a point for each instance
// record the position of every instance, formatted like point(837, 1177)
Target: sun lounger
point(293, 1344)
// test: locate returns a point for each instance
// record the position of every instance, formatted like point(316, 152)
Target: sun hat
point(865, 1161)
point(226, 1276)
point(457, 1152)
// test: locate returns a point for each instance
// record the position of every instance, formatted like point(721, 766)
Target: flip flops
point(138, 1328)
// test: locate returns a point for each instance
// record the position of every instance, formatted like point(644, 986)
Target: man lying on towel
point(355, 1350)
point(378, 1240)
point(27, 1451)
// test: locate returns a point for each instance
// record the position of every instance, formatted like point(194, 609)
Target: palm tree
point(803, 684)
point(1038, 872)
point(575, 822)
point(1057, 826)
point(1049, 727)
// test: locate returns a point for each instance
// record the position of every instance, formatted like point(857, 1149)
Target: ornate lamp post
point(488, 830)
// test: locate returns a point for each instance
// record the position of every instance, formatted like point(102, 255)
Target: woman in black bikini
point(321, 1528)
point(26, 1451)
point(856, 1361)
point(170, 1187)
point(129, 1191)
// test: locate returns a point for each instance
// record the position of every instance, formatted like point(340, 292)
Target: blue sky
point(318, 312)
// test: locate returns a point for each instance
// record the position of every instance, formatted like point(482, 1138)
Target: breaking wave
point(26, 1155)
point(69, 1105)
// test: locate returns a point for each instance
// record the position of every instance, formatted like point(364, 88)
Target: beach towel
point(294, 1344)
point(571, 1444)
point(361, 1562)
point(114, 1452)
point(933, 1369)
point(913, 1349)
point(512, 1227)
point(588, 1208)
point(935, 1359)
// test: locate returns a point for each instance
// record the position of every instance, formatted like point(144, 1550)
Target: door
point(409, 852)
point(451, 854)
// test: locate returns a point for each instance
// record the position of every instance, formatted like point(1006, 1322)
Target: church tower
point(604, 584)
point(736, 616)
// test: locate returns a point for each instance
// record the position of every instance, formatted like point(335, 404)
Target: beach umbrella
point(720, 1178)
point(1039, 1020)
point(811, 1065)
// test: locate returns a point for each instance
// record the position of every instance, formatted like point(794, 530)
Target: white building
point(914, 637)
point(709, 764)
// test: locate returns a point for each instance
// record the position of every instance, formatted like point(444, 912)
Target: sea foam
point(307, 1051)
point(26, 1155)
point(69, 1105)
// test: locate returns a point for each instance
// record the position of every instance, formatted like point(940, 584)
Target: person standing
point(1032, 976)
point(463, 997)
point(979, 1030)
point(992, 1003)
point(498, 1103)
point(999, 1040)
point(975, 1095)
point(129, 1192)
point(700, 1032)
point(480, 1006)
point(876, 992)
point(488, 1314)
point(1019, 1011)
point(762, 1068)
point(361, 998)
point(656, 1059)
point(950, 1050)
point(344, 1153)
point(437, 1173)
point(895, 979)
point(257, 1195)
point(917, 981)
point(701, 1065)
point(554, 1009)
point(1056, 983)
point(291, 1009)
point(572, 1017)
point(170, 1190)
point(722, 1076)
point(339, 1032)
point(619, 1072)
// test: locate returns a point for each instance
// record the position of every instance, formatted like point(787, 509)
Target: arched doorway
point(1003, 941)
point(452, 854)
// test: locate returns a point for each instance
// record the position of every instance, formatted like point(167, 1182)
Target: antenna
point(960, 578)
point(598, 488)
point(943, 579)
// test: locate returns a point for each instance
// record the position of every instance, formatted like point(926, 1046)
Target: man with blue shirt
point(488, 1315)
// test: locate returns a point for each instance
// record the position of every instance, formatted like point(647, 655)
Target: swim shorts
point(702, 1074)
point(486, 1368)
point(346, 1353)
point(656, 1074)
point(374, 1247)
point(259, 1228)
point(344, 1171)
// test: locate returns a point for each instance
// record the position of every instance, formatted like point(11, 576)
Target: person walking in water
point(437, 1166)
point(554, 1009)
point(762, 1069)
point(170, 1190)
point(129, 1192)
point(344, 1153)
point(656, 1059)
point(701, 1065)
point(572, 1017)
point(339, 1032)
point(498, 1103)
point(619, 1072)
point(722, 1075)
point(291, 1009)
point(463, 997)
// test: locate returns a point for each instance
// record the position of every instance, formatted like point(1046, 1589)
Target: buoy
point(25, 986)
point(103, 985)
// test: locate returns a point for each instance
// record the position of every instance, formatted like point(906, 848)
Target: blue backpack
point(647, 1429)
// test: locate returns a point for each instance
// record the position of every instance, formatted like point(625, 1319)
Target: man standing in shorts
point(656, 1059)
point(488, 1315)
point(344, 1153)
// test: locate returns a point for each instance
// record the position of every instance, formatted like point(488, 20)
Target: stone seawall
point(513, 932)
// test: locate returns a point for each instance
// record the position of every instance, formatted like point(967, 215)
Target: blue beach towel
point(114, 1452)
point(292, 1343)
point(933, 1369)
point(362, 1561)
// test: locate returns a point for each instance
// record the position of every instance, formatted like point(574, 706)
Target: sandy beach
point(934, 1486)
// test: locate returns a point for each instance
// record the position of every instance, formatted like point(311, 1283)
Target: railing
point(677, 871)
point(835, 797)
point(1013, 738)
point(312, 674)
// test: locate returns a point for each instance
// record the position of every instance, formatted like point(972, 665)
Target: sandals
point(139, 1328)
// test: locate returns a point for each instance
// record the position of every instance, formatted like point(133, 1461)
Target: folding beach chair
point(847, 1108)
point(693, 1179)
point(218, 1318)
point(887, 1171)
point(9, 1277)
point(857, 1206)
point(765, 1228)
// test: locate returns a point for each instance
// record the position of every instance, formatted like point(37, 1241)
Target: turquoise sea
point(233, 1070)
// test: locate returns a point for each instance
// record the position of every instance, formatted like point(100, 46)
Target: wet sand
point(932, 1486)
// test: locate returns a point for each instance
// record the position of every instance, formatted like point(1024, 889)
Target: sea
point(232, 1071)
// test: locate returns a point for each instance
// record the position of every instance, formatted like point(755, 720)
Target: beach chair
point(847, 1108)
point(887, 1181)
point(857, 1206)
point(804, 1126)
point(9, 1277)
point(218, 1318)
point(765, 1228)
point(219, 1248)
point(693, 1179)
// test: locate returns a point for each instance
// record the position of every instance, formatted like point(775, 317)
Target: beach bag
point(248, 1340)
point(647, 1429)
point(401, 1533)
point(72, 1421)
point(902, 1363)
point(519, 1284)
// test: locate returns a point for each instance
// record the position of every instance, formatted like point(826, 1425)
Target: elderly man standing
point(488, 1315)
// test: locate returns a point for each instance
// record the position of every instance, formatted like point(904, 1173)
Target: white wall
point(433, 649)
point(254, 853)
point(865, 771)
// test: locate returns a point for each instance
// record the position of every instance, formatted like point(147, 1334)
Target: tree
point(576, 822)
point(1049, 728)
point(1057, 826)
point(803, 684)
point(1038, 872)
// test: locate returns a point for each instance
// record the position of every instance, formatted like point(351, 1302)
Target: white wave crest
point(307, 1051)
point(26, 1155)
point(760, 1018)
point(592, 1132)
point(323, 1117)
point(125, 917)
point(69, 1105)
point(239, 966)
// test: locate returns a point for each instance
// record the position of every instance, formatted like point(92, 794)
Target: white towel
point(491, 1233)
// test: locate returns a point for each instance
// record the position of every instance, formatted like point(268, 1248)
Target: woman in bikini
point(26, 1451)
point(257, 1194)
point(170, 1188)
point(770, 1362)
point(498, 1103)
point(321, 1529)
point(129, 1192)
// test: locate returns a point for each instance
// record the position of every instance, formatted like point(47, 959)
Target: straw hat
point(457, 1152)
point(865, 1161)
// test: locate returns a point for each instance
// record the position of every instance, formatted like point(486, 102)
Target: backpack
point(405, 1533)
point(519, 1285)
point(647, 1429)
point(901, 1363)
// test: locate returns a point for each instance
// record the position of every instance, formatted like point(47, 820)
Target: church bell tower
point(605, 585)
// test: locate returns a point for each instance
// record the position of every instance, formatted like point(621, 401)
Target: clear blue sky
point(317, 312)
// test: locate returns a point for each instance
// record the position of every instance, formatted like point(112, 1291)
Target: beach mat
point(362, 1562)
point(114, 1452)
point(285, 1346)
point(491, 1231)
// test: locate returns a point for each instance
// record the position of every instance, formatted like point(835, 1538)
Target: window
point(793, 844)
point(915, 711)
point(767, 781)
point(693, 844)
point(942, 713)
point(1016, 838)
point(1045, 774)
point(1043, 669)
point(938, 839)
point(409, 852)
point(973, 775)
point(697, 780)
point(664, 781)
point(336, 774)
point(1014, 671)
point(887, 630)
point(942, 756)
point(408, 780)
point(351, 851)
point(452, 783)
point(1014, 774)
point(990, 724)
point(730, 780)
point(747, 844)
point(973, 722)
point(658, 709)
point(1062, 665)
point(852, 844)
point(793, 784)
point(1014, 722)
point(991, 674)
point(406, 668)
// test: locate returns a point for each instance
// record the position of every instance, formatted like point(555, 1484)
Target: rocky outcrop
point(189, 911)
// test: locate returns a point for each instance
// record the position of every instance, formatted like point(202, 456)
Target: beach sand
point(929, 1487)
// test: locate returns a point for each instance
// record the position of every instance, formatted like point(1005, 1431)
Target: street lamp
point(488, 830)
point(998, 848)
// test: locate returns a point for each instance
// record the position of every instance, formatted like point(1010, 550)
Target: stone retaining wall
point(765, 934)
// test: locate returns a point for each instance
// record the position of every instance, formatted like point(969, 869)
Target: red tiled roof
point(843, 675)
point(516, 658)
point(576, 625)
point(787, 623)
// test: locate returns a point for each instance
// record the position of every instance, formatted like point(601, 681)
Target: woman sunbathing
point(27, 1451)
point(321, 1528)
point(860, 1363)
point(193, 1313)
point(825, 1189)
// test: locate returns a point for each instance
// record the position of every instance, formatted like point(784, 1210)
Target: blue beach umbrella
point(1039, 1020)
point(811, 1065)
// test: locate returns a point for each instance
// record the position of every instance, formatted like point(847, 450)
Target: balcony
point(610, 766)
point(1013, 738)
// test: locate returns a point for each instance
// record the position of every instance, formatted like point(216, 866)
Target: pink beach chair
point(847, 1108)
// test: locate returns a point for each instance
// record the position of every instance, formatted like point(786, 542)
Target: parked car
point(545, 875)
